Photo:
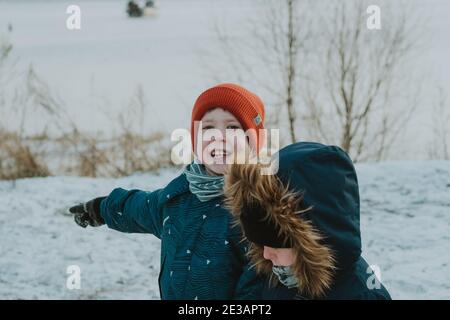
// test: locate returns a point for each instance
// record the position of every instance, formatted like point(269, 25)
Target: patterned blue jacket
point(202, 255)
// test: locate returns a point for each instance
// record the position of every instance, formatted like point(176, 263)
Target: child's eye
point(208, 127)
point(233, 127)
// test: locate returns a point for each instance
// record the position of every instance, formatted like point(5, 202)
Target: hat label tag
point(257, 120)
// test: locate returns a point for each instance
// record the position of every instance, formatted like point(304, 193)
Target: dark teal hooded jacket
point(327, 178)
point(201, 254)
point(318, 216)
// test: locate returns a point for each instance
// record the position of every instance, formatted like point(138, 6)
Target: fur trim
point(314, 265)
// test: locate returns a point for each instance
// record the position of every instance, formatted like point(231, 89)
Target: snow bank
point(405, 215)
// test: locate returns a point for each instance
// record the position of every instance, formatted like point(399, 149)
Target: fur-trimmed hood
point(313, 200)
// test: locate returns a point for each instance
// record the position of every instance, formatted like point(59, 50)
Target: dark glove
point(88, 213)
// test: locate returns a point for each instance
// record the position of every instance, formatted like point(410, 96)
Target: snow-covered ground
point(405, 223)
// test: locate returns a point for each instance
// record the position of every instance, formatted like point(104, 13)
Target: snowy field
point(405, 206)
point(405, 223)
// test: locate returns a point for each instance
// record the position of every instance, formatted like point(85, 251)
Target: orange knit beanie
point(246, 106)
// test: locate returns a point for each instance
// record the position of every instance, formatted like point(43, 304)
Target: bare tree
point(7, 70)
point(292, 49)
point(269, 56)
point(331, 79)
point(440, 144)
point(352, 96)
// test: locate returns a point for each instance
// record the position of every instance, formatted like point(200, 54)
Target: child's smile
point(220, 154)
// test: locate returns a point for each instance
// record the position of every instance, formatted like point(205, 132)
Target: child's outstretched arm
point(132, 211)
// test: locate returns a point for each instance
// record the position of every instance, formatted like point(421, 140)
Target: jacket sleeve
point(249, 285)
point(133, 211)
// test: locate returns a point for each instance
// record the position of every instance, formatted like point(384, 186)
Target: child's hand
point(88, 213)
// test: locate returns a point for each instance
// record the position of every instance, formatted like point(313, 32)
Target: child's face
point(217, 152)
point(279, 256)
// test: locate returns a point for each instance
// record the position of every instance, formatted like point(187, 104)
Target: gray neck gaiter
point(286, 276)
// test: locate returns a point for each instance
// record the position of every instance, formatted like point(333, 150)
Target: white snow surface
point(405, 218)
